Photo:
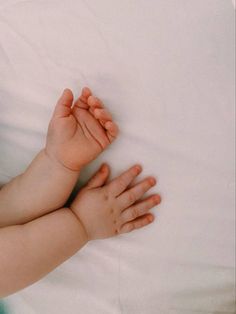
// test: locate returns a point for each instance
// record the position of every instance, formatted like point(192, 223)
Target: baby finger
point(94, 102)
point(130, 196)
point(139, 209)
point(102, 114)
point(112, 130)
point(137, 223)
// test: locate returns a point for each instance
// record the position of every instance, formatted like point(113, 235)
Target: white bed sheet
point(165, 69)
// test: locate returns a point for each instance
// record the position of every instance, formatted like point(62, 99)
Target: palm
point(75, 136)
point(79, 139)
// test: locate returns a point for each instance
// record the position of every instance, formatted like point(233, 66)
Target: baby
point(37, 233)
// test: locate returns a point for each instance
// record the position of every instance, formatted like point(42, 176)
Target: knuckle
point(134, 213)
point(126, 228)
point(131, 227)
point(122, 182)
point(136, 225)
point(97, 112)
point(142, 209)
point(132, 197)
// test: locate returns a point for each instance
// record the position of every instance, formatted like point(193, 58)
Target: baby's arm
point(101, 210)
point(30, 251)
point(43, 187)
point(77, 134)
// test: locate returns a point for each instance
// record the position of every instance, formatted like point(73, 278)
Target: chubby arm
point(29, 252)
point(77, 134)
point(43, 187)
point(100, 210)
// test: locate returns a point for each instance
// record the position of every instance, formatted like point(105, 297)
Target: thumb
point(99, 178)
point(64, 103)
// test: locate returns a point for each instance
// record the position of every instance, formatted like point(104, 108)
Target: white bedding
point(165, 69)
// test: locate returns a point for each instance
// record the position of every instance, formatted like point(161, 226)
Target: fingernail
point(138, 168)
point(150, 218)
point(152, 181)
point(157, 199)
point(103, 167)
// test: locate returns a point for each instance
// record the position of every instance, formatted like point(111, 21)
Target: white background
point(165, 69)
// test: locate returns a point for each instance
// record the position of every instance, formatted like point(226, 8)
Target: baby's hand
point(108, 209)
point(76, 135)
